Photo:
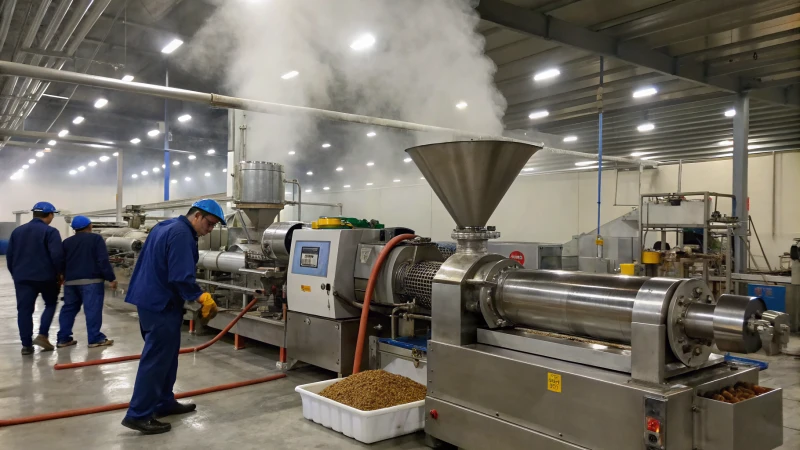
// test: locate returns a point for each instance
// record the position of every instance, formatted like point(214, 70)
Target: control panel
point(655, 421)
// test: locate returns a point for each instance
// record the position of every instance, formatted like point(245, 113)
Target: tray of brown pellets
point(739, 392)
point(369, 406)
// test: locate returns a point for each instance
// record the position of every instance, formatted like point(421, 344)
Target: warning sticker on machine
point(553, 382)
point(365, 252)
point(305, 288)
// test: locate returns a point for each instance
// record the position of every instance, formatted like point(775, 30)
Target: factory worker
point(163, 280)
point(36, 262)
point(87, 266)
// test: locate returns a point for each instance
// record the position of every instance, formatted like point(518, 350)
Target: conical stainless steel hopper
point(471, 177)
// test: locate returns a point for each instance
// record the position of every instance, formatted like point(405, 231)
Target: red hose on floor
point(116, 406)
point(97, 362)
point(373, 278)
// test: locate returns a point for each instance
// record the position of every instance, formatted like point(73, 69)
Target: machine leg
point(238, 342)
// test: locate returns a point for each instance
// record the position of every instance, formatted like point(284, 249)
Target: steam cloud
point(427, 57)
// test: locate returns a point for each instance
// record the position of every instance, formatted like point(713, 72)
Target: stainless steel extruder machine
point(543, 359)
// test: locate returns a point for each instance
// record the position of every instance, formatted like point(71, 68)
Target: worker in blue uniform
point(162, 281)
point(87, 267)
point(36, 262)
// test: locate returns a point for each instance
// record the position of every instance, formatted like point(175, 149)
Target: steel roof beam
point(551, 28)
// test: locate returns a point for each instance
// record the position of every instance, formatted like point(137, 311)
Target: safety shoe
point(102, 343)
point(69, 343)
point(146, 426)
point(42, 341)
point(27, 350)
point(176, 408)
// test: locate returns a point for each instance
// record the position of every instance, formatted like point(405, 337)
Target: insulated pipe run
point(118, 406)
point(97, 362)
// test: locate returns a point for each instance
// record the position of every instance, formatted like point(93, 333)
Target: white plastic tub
point(364, 426)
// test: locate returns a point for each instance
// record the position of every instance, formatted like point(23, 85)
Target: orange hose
point(373, 278)
point(97, 362)
point(116, 406)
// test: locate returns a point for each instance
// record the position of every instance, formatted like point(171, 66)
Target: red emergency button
point(653, 425)
point(434, 414)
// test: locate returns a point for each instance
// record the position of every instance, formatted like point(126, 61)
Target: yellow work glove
point(209, 309)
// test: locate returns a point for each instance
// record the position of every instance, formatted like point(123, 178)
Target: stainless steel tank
point(276, 242)
point(259, 182)
point(575, 303)
point(221, 261)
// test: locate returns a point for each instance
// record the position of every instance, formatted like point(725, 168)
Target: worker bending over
point(36, 262)
point(162, 281)
point(87, 266)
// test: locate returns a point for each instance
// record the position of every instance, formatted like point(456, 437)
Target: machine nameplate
point(554, 382)
point(364, 256)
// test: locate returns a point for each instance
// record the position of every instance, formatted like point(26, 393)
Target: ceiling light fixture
point(208, 174)
point(192, 157)
point(39, 154)
point(308, 190)
point(63, 133)
point(172, 46)
point(407, 160)
point(156, 170)
point(326, 188)
point(73, 172)
point(101, 102)
point(730, 113)
point(104, 158)
point(173, 181)
point(370, 164)
point(326, 145)
point(289, 75)
point(538, 114)
point(31, 161)
point(528, 169)
point(134, 176)
point(461, 105)
point(184, 118)
point(346, 186)
point(92, 163)
point(78, 120)
point(25, 166)
point(369, 184)
point(638, 154)
point(51, 142)
point(135, 140)
point(211, 151)
point(309, 173)
point(292, 153)
point(570, 138)
point(188, 179)
point(339, 169)
point(153, 133)
point(371, 134)
point(546, 74)
point(144, 172)
point(176, 163)
point(115, 154)
point(646, 92)
point(363, 42)
point(224, 170)
point(127, 78)
point(646, 127)
point(395, 181)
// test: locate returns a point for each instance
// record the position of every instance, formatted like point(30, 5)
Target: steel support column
point(119, 186)
point(741, 129)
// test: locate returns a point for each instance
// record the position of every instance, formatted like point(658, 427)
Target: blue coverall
point(163, 279)
point(87, 266)
point(35, 259)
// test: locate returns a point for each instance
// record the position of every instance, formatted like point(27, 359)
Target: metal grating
point(446, 248)
point(415, 280)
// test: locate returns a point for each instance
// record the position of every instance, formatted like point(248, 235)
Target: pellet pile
point(739, 392)
point(375, 389)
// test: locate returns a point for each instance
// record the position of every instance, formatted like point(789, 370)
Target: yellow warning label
point(305, 288)
point(553, 382)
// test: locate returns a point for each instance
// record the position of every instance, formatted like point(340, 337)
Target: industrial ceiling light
point(461, 105)
point(153, 133)
point(211, 151)
point(100, 102)
point(192, 157)
point(92, 163)
point(292, 153)
point(570, 138)
point(730, 113)
point(39, 154)
point(369, 184)
point(81, 168)
point(528, 169)
point(725, 143)
point(156, 170)
point(646, 92)
point(346, 186)
point(172, 46)
point(421, 178)
point(73, 172)
point(546, 74)
point(326, 145)
point(63, 133)
point(31, 161)
point(176, 163)
point(135, 141)
point(184, 118)
point(188, 179)
point(127, 78)
point(395, 181)
point(104, 158)
point(309, 173)
point(363, 42)
point(289, 75)
point(51, 142)
point(144, 172)
point(539, 114)
point(585, 163)
point(25, 166)
point(407, 160)
point(115, 154)
point(208, 174)
point(326, 188)
point(370, 164)
point(134, 176)
point(638, 154)
point(646, 127)
point(339, 169)
point(308, 190)
point(78, 120)
point(371, 134)
point(173, 181)
point(224, 170)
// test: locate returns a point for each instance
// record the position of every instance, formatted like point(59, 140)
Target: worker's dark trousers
point(91, 297)
point(27, 291)
point(158, 366)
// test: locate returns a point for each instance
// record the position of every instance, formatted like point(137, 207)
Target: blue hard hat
point(80, 222)
point(211, 207)
point(44, 207)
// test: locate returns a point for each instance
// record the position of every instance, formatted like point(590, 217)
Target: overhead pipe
point(599, 239)
point(332, 205)
point(224, 101)
point(299, 197)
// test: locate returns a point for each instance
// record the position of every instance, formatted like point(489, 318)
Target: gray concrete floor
point(261, 416)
